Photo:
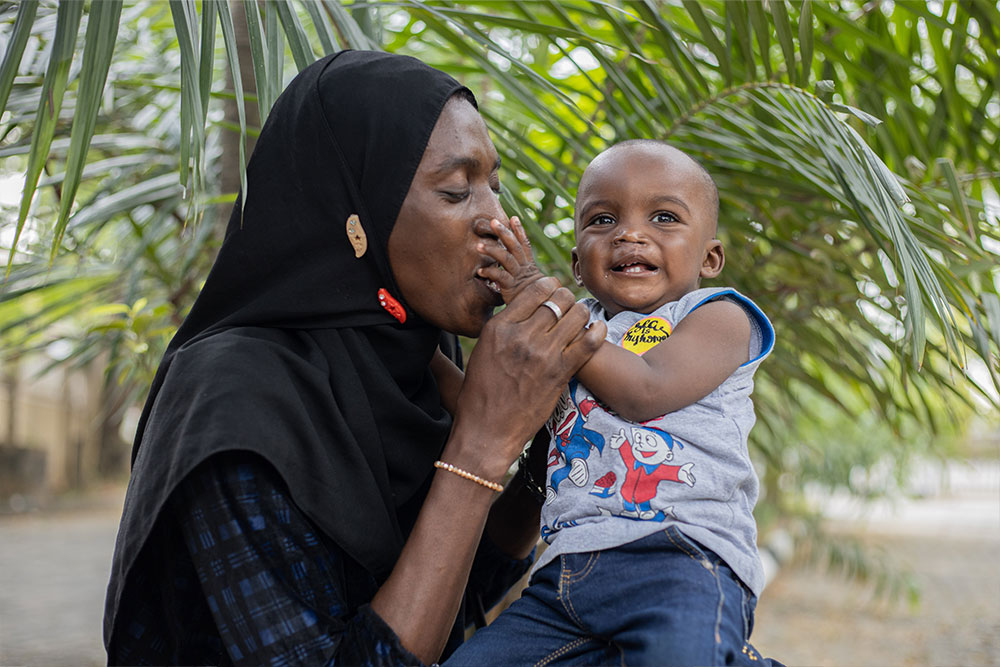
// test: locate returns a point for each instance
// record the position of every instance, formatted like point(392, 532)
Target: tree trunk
point(11, 382)
point(229, 180)
point(112, 450)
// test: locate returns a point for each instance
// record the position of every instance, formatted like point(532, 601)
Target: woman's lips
point(491, 289)
point(490, 284)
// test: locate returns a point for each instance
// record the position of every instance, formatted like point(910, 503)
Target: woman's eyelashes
point(459, 195)
point(455, 196)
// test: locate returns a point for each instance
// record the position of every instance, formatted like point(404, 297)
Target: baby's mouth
point(634, 268)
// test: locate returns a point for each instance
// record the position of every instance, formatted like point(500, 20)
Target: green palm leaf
point(193, 106)
point(53, 89)
point(15, 49)
point(102, 30)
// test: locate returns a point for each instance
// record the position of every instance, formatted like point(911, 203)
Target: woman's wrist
point(465, 474)
point(481, 453)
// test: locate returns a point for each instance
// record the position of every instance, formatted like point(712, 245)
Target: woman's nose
point(495, 210)
point(489, 212)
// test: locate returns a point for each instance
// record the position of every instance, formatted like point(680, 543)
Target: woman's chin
point(472, 325)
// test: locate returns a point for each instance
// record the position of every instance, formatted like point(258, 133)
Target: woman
point(284, 506)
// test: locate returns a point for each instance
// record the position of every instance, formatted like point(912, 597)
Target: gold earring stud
point(356, 235)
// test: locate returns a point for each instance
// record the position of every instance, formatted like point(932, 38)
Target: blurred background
point(855, 146)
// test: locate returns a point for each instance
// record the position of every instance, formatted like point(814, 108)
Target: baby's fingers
point(498, 275)
point(516, 244)
point(522, 236)
point(502, 256)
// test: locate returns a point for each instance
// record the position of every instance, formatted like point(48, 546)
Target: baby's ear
point(576, 267)
point(715, 259)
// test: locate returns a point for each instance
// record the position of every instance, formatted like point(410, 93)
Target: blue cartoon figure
point(572, 441)
point(549, 531)
point(646, 460)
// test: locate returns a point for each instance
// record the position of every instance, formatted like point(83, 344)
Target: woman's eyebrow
point(461, 162)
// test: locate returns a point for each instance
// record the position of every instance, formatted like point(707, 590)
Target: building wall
point(56, 418)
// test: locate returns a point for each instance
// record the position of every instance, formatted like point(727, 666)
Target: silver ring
point(556, 310)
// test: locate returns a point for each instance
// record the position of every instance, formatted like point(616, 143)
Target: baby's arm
point(449, 380)
point(706, 347)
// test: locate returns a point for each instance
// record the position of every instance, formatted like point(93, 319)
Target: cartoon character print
point(572, 441)
point(646, 459)
point(605, 486)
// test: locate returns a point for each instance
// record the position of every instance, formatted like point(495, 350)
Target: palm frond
point(102, 32)
point(52, 91)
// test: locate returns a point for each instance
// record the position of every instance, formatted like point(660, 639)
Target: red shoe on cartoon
point(605, 486)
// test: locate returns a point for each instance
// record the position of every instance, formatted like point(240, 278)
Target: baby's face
point(650, 448)
point(645, 228)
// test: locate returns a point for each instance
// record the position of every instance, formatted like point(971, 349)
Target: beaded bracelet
point(493, 486)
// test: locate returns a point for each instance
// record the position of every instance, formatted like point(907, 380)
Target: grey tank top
point(611, 481)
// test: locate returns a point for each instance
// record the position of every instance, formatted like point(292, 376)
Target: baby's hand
point(515, 266)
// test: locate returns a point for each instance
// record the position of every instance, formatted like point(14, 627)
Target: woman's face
point(446, 213)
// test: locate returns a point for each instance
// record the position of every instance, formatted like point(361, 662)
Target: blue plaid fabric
point(235, 574)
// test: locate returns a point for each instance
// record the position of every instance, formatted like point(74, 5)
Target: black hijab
point(289, 351)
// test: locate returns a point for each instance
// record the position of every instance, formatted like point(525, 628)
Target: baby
point(651, 555)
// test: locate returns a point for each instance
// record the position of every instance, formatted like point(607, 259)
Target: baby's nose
point(629, 233)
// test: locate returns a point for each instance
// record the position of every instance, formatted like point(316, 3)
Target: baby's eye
point(664, 216)
point(602, 219)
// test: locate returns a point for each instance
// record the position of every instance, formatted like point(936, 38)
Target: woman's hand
point(520, 366)
point(515, 268)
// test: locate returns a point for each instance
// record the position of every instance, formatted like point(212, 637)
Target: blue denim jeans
point(661, 600)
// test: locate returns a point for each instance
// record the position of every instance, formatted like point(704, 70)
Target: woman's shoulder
point(243, 365)
point(240, 342)
point(248, 350)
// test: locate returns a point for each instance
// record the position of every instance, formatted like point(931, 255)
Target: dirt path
point(808, 618)
point(53, 575)
point(949, 541)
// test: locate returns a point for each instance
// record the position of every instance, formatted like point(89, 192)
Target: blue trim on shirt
point(766, 330)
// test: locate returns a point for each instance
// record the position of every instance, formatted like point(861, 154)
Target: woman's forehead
point(459, 141)
point(450, 163)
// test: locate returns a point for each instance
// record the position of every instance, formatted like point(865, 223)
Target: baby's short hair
point(712, 191)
